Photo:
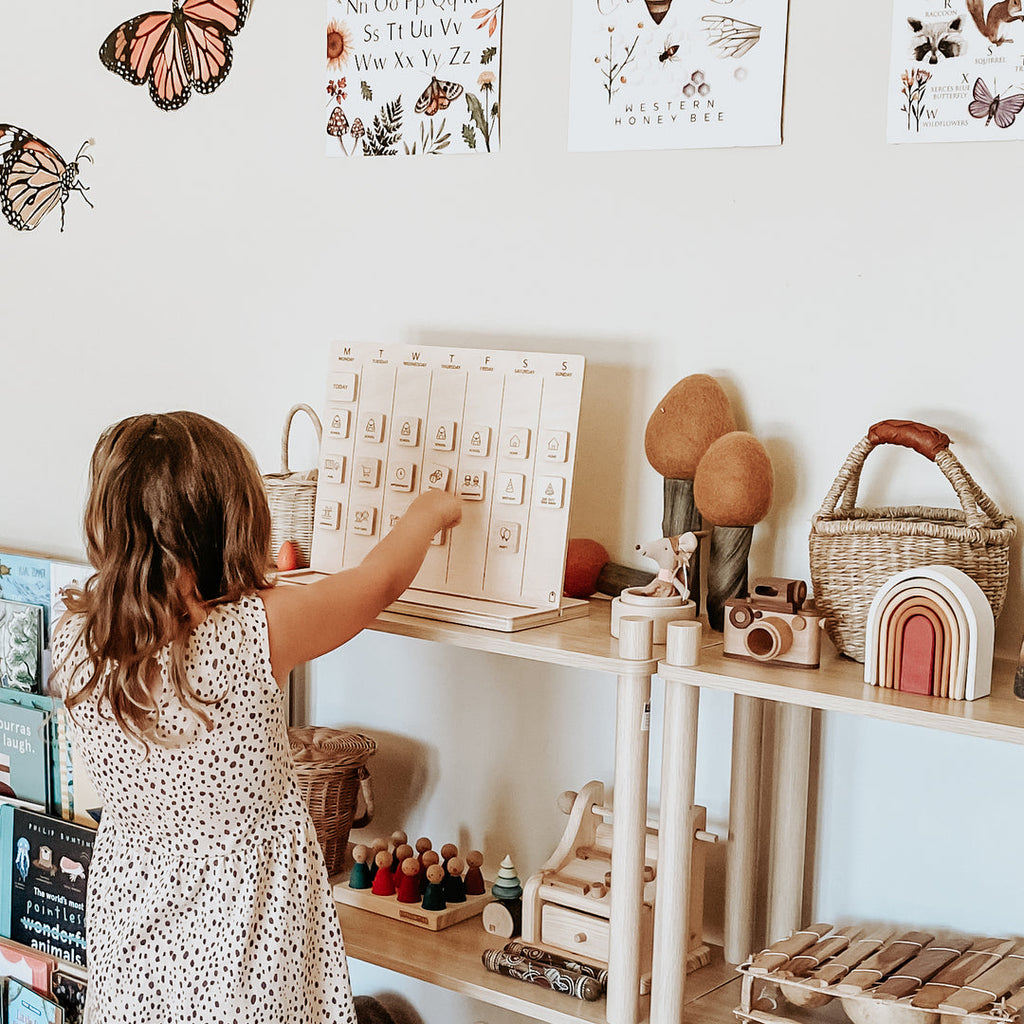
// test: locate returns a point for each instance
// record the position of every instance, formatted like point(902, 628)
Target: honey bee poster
point(957, 71)
point(412, 77)
point(674, 74)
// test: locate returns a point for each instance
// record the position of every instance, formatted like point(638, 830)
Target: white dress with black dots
point(208, 900)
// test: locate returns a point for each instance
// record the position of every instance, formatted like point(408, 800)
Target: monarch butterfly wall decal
point(176, 51)
point(34, 177)
point(437, 96)
point(1001, 109)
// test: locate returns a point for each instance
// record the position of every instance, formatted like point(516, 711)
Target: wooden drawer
point(577, 933)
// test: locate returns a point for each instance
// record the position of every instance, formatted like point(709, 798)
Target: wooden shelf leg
point(741, 855)
point(789, 820)
point(632, 731)
point(675, 852)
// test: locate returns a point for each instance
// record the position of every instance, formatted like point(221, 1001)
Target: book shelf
point(452, 959)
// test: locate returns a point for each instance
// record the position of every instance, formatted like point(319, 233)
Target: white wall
point(828, 283)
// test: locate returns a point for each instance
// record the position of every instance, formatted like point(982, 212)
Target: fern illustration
point(383, 136)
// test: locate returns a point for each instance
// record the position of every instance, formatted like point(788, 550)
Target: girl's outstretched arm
point(310, 620)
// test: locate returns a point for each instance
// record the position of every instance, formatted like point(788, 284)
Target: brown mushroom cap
point(694, 413)
point(733, 483)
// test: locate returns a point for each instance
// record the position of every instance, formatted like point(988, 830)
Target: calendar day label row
point(514, 442)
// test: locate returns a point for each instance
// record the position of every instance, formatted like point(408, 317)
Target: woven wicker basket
point(854, 551)
point(330, 766)
point(292, 496)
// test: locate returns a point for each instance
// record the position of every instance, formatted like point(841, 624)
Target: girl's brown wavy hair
point(170, 495)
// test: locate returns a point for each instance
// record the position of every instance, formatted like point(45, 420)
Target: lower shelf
point(451, 960)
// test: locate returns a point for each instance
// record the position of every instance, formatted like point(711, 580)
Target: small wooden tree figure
point(504, 916)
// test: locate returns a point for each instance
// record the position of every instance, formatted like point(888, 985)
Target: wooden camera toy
point(772, 624)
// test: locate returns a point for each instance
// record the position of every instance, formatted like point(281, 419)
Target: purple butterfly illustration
point(1001, 109)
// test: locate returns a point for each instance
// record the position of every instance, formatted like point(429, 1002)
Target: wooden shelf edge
point(450, 959)
point(839, 686)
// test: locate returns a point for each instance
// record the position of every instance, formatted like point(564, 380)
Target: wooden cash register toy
point(567, 903)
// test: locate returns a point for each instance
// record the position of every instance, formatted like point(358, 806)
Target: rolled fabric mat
point(545, 956)
point(556, 979)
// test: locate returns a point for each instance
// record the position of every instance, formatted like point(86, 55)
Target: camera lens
point(769, 639)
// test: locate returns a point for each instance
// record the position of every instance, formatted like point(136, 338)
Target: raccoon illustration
point(935, 39)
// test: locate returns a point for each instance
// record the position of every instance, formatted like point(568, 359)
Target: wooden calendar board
point(499, 429)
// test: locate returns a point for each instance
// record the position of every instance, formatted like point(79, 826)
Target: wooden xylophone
point(882, 975)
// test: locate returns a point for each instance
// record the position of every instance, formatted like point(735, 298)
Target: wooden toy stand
point(567, 903)
point(497, 429)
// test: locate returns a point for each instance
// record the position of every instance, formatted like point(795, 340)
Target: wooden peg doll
point(448, 851)
point(360, 876)
point(474, 880)
point(383, 879)
point(375, 847)
point(429, 859)
point(402, 853)
point(433, 895)
point(454, 887)
point(422, 845)
point(408, 889)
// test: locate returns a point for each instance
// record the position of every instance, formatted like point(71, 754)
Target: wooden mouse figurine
point(672, 556)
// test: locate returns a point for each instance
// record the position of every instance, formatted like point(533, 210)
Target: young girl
point(208, 898)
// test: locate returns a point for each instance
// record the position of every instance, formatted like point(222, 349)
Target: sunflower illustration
point(339, 45)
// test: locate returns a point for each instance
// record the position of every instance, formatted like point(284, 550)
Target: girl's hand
point(441, 507)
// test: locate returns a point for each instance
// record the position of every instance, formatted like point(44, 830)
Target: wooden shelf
point(451, 960)
point(584, 642)
point(839, 686)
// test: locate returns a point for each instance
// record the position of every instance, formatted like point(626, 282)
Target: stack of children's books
point(46, 835)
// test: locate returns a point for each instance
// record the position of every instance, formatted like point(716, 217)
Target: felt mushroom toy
point(694, 414)
point(732, 489)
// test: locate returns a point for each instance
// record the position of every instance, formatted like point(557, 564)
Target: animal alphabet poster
point(956, 71)
point(676, 74)
point(412, 77)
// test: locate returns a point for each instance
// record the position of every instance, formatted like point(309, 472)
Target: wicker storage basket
point(292, 496)
point(853, 551)
point(330, 766)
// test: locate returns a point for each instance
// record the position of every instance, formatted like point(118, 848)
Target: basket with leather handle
point(292, 496)
point(330, 766)
point(854, 551)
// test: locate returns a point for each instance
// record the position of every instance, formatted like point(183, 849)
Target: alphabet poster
point(412, 77)
point(676, 74)
point(956, 72)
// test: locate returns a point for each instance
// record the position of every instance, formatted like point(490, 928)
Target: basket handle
point(980, 511)
point(366, 792)
point(301, 407)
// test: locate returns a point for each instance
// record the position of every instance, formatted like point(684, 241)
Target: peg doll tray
point(410, 913)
